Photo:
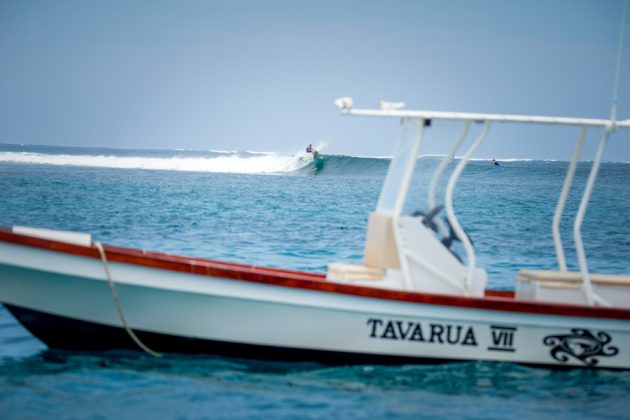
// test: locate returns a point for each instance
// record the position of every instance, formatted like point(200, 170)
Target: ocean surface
point(286, 210)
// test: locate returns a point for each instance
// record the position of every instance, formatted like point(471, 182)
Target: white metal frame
point(611, 125)
point(420, 117)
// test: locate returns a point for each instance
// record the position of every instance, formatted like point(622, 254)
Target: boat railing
point(555, 226)
point(440, 170)
point(450, 212)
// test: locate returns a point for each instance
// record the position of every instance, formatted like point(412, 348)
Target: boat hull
point(61, 294)
point(70, 334)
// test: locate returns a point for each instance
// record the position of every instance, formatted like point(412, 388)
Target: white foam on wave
point(252, 152)
point(259, 164)
point(371, 157)
point(227, 152)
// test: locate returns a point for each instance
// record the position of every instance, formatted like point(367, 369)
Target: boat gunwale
point(495, 300)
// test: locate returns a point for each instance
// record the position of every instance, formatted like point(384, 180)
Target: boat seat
point(341, 271)
point(564, 279)
point(380, 245)
point(566, 287)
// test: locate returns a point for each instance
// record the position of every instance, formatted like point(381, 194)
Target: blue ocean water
point(288, 211)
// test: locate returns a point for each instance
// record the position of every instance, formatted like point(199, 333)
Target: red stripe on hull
point(494, 300)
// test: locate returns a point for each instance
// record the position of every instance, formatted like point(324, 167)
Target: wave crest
point(231, 163)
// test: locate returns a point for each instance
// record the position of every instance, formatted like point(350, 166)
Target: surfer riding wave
point(312, 150)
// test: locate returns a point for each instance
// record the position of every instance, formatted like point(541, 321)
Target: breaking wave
point(224, 162)
point(216, 161)
point(211, 161)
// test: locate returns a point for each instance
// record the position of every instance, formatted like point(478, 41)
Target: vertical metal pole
point(402, 194)
point(450, 213)
point(411, 164)
point(555, 226)
point(577, 227)
point(613, 111)
point(438, 173)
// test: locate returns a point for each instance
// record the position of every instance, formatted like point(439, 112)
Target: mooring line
point(112, 286)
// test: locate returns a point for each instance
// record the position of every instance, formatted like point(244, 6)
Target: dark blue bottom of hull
point(63, 333)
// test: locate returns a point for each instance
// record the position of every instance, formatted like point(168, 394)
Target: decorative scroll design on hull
point(582, 345)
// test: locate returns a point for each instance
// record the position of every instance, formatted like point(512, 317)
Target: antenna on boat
point(613, 111)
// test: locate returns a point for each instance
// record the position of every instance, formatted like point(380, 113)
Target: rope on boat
point(121, 315)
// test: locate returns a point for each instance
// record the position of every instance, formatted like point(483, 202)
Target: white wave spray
point(258, 164)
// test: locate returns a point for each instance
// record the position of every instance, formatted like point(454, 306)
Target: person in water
point(494, 162)
point(309, 148)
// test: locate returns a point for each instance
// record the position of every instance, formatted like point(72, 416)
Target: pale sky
point(263, 75)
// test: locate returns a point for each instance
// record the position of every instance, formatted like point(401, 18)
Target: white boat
point(412, 300)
